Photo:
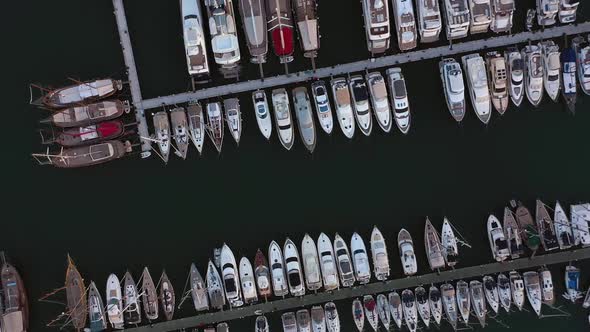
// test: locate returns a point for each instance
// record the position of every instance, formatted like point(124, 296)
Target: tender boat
point(517, 289)
point(450, 304)
point(435, 303)
point(233, 116)
point(261, 324)
point(132, 312)
point(396, 308)
point(307, 24)
point(491, 291)
point(360, 258)
point(477, 83)
point(263, 118)
point(376, 17)
point(450, 249)
point(358, 314)
point(478, 301)
point(283, 122)
point(371, 311)
point(582, 49)
point(379, 254)
point(572, 284)
point(149, 297)
point(332, 318)
point(533, 70)
point(546, 227)
point(167, 297)
point(399, 98)
point(481, 16)
point(305, 124)
point(293, 268)
point(247, 281)
point(548, 294)
point(547, 11)
point(429, 20)
point(580, 217)
point(379, 100)
point(502, 13)
point(322, 106)
point(505, 291)
point(289, 322)
point(360, 103)
point(162, 129)
point(463, 300)
point(318, 319)
point(311, 263)
point(327, 263)
point(532, 285)
point(497, 80)
point(85, 115)
point(82, 93)
point(453, 87)
point(405, 23)
point(114, 301)
point(180, 131)
point(512, 233)
point(563, 229)
point(253, 14)
point(198, 289)
point(224, 37)
point(214, 287)
point(279, 282)
point(280, 27)
point(568, 80)
point(92, 134)
point(457, 18)
point(345, 268)
point(196, 125)
point(515, 64)
point(194, 38)
point(498, 243)
point(215, 124)
point(230, 276)
point(527, 226)
point(96, 315)
point(383, 311)
point(551, 68)
point(342, 103)
point(423, 305)
point(262, 273)
point(406, 251)
point(303, 320)
point(433, 247)
point(410, 311)
point(567, 11)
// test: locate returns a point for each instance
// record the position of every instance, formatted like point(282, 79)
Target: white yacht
point(376, 17)
point(311, 263)
point(478, 301)
point(491, 291)
point(580, 217)
point(551, 68)
point(327, 263)
point(463, 300)
point(477, 82)
point(360, 103)
point(451, 76)
point(435, 302)
point(481, 16)
point(358, 314)
point(433, 246)
point(196, 125)
point(517, 289)
point(450, 304)
point(194, 38)
point(563, 229)
point(548, 293)
point(582, 48)
point(498, 243)
point(302, 106)
point(379, 254)
point(457, 18)
point(567, 11)
point(515, 64)
point(277, 270)
point(343, 106)
point(423, 305)
point(547, 12)
point(505, 291)
point(396, 308)
point(371, 311)
point(214, 287)
point(283, 121)
point(289, 322)
point(379, 100)
point(318, 319)
point(114, 302)
point(532, 285)
point(162, 129)
point(262, 111)
point(293, 268)
point(344, 261)
point(230, 276)
point(406, 251)
point(450, 249)
point(383, 311)
point(303, 320)
point(224, 37)
point(429, 20)
point(410, 310)
point(360, 258)
point(233, 116)
point(502, 13)
point(405, 22)
point(569, 80)
point(332, 318)
point(399, 99)
point(247, 281)
point(322, 106)
point(498, 81)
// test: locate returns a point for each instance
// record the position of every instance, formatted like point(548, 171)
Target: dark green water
point(133, 213)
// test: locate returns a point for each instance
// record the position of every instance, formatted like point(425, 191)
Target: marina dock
point(294, 303)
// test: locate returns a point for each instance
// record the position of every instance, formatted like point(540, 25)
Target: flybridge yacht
point(429, 20)
point(327, 263)
point(362, 108)
point(194, 38)
point(343, 106)
point(515, 64)
point(311, 263)
point(567, 10)
point(533, 73)
point(454, 88)
point(481, 15)
point(405, 22)
point(253, 16)
point(277, 270)
point(502, 12)
point(379, 253)
point(497, 79)
point(547, 11)
point(379, 101)
point(551, 68)
point(224, 38)
point(569, 81)
point(231, 279)
point(582, 49)
point(478, 86)
point(307, 24)
point(322, 106)
point(456, 18)
point(376, 14)
point(280, 101)
point(280, 27)
point(360, 258)
point(302, 105)
point(399, 99)
point(406, 250)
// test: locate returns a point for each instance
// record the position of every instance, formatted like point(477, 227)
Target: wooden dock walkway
point(294, 303)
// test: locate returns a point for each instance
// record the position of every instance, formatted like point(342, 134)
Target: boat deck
point(359, 291)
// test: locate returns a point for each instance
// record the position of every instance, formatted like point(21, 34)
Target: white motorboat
point(247, 281)
point(563, 229)
point(277, 270)
point(457, 18)
point(214, 287)
point(547, 12)
point(263, 118)
point(345, 268)
point(371, 311)
point(332, 318)
point(512, 233)
point(450, 248)
point(162, 129)
point(215, 124)
point(311, 263)
point(533, 70)
point(410, 311)
point(435, 303)
point(194, 38)
point(504, 291)
point(491, 291)
point(360, 258)
point(481, 16)
point(198, 289)
point(547, 292)
point(580, 217)
point(261, 324)
point(572, 284)
point(450, 304)
point(379, 254)
point(224, 37)
point(396, 308)
point(463, 300)
point(433, 245)
point(289, 322)
point(358, 314)
point(515, 63)
point(582, 49)
point(423, 305)
point(322, 106)
point(517, 289)
point(360, 103)
point(477, 82)
point(551, 68)
point(263, 275)
point(302, 106)
point(318, 319)
point(114, 302)
point(453, 87)
point(196, 125)
point(376, 17)
point(303, 320)
point(233, 116)
point(379, 100)
point(429, 20)
point(327, 263)
point(342, 103)
point(399, 99)
point(502, 13)
point(532, 286)
point(283, 121)
point(569, 79)
point(478, 301)
point(498, 81)
point(405, 23)
point(132, 312)
point(293, 268)
point(383, 311)
point(567, 11)
point(406, 251)
point(498, 243)
point(230, 276)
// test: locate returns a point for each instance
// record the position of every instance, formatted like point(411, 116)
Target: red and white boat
point(280, 27)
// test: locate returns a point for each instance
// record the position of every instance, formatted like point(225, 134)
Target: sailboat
point(358, 314)
point(517, 289)
point(563, 228)
point(463, 300)
point(478, 301)
point(449, 304)
point(114, 301)
point(449, 244)
point(396, 308)
point(198, 289)
point(410, 312)
point(77, 302)
point(196, 125)
point(383, 311)
point(433, 247)
point(512, 232)
point(167, 296)
point(149, 297)
point(491, 292)
point(435, 302)
point(527, 226)
point(96, 313)
point(504, 291)
point(533, 290)
point(132, 312)
point(547, 293)
point(546, 227)
point(580, 217)
point(214, 287)
point(423, 305)
point(180, 131)
point(371, 311)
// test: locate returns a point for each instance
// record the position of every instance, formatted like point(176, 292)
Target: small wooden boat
point(96, 315)
point(83, 156)
point(383, 311)
point(149, 297)
point(92, 134)
point(196, 125)
point(180, 131)
point(16, 304)
point(132, 312)
point(358, 314)
point(82, 93)
point(262, 274)
point(198, 289)
point(167, 296)
point(77, 302)
point(80, 116)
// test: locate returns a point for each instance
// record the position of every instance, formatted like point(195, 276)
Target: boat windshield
point(360, 91)
point(294, 279)
point(230, 285)
point(456, 81)
point(399, 87)
point(261, 110)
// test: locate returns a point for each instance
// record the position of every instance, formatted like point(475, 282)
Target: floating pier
point(294, 303)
